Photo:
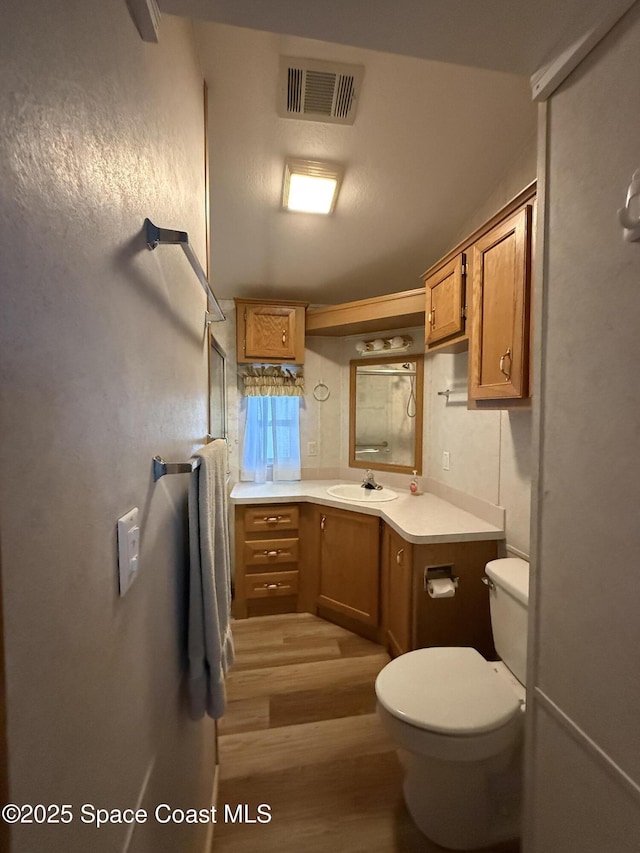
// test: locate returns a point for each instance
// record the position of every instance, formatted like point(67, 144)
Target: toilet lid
point(448, 690)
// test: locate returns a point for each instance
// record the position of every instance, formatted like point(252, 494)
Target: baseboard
point(141, 795)
point(208, 843)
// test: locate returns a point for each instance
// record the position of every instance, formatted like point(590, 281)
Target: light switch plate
point(128, 549)
point(445, 460)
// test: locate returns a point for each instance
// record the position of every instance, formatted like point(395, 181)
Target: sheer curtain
point(271, 448)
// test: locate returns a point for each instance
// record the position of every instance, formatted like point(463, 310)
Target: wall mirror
point(217, 390)
point(385, 413)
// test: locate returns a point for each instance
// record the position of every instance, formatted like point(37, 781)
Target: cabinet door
point(445, 291)
point(270, 331)
point(349, 564)
point(397, 592)
point(501, 270)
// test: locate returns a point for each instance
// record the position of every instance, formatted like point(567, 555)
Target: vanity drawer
point(269, 552)
point(270, 585)
point(274, 517)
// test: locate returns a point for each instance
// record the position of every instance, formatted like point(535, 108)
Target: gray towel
point(210, 641)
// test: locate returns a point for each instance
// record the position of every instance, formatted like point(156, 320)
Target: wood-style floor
point(301, 735)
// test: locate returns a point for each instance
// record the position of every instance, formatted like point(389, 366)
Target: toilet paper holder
point(432, 573)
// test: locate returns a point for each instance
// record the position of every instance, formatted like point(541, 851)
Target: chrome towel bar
point(159, 236)
point(160, 467)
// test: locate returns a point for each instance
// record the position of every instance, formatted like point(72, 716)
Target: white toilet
point(458, 722)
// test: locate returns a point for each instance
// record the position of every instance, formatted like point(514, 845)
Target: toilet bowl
point(457, 720)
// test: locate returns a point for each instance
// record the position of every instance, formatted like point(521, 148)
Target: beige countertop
point(421, 519)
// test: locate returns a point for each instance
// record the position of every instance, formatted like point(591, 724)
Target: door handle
point(506, 373)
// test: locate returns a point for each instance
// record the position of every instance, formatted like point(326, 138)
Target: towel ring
point(321, 392)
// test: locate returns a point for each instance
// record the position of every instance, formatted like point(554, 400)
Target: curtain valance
point(272, 382)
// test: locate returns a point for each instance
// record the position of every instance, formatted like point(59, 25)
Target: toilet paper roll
point(441, 588)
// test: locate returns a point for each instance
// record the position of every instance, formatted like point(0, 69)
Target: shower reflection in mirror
point(386, 413)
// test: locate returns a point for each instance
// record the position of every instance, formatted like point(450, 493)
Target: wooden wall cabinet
point(270, 331)
point(500, 270)
point(445, 294)
point(349, 565)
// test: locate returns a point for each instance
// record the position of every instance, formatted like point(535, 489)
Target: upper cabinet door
point(270, 331)
point(445, 291)
point(501, 272)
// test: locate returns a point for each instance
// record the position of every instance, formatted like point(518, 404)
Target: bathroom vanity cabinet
point(270, 331)
point(463, 620)
point(349, 565)
point(397, 592)
point(354, 569)
point(266, 559)
point(413, 620)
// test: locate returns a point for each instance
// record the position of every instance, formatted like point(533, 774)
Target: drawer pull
point(276, 586)
point(272, 553)
point(399, 556)
point(271, 519)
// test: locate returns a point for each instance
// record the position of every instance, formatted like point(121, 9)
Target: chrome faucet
point(368, 481)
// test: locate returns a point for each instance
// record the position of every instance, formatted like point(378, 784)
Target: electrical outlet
point(445, 460)
point(312, 448)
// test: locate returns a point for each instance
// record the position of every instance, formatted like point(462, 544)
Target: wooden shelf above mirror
point(377, 314)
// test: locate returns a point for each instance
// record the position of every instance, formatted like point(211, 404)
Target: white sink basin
point(354, 492)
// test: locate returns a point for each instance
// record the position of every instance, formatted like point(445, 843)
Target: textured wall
point(585, 796)
point(103, 366)
point(490, 452)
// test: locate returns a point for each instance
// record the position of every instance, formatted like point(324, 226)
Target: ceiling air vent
point(312, 90)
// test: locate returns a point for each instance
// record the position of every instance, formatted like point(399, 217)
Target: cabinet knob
point(399, 556)
point(323, 521)
point(284, 336)
point(506, 373)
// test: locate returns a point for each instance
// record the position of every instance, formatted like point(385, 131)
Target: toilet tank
point(509, 601)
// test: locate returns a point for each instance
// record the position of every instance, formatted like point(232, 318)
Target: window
point(271, 448)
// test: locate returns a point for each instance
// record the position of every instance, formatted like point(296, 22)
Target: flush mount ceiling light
point(310, 186)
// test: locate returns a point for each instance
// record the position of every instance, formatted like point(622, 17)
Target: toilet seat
point(447, 691)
